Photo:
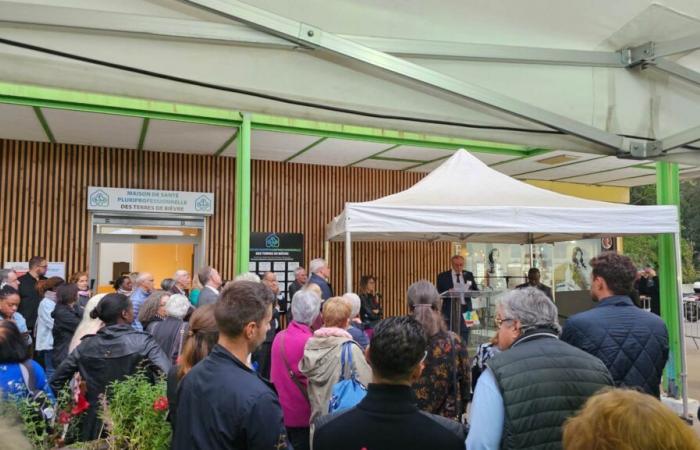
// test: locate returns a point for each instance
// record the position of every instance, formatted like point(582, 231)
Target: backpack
point(348, 391)
point(41, 403)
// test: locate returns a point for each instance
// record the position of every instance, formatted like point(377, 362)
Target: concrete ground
point(693, 361)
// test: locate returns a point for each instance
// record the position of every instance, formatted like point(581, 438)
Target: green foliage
point(133, 417)
point(644, 250)
point(43, 435)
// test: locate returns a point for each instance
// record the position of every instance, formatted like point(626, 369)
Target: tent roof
point(158, 36)
point(464, 199)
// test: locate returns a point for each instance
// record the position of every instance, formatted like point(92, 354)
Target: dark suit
point(542, 287)
point(207, 297)
point(326, 289)
point(445, 282)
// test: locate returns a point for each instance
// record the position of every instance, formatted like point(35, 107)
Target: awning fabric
point(464, 199)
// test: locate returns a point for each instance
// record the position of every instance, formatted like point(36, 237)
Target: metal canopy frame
point(324, 42)
point(281, 32)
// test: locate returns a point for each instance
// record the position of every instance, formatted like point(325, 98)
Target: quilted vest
point(543, 381)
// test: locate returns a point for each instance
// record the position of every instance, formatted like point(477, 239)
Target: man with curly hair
point(631, 342)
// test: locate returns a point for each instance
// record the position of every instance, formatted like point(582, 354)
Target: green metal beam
point(305, 149)
point(368, 134)
point(530, 154)
point(242, 206)
point(37, 96)
point(425, 163)
point(225, 145)
point(374, 155)
point(144, 131)
point(668, 193)
point(597, 171)
point(573, 163)
point(386, 158)
point(44, 124)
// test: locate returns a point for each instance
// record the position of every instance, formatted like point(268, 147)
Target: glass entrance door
point(159, 246)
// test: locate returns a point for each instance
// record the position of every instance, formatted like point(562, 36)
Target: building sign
point(55, 269)
point(280, 253)
point(151, 201)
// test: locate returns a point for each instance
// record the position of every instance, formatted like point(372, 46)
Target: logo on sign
point(203, 204)
point(272, 241)
point(99, 199)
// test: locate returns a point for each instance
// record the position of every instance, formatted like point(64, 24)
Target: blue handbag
point(348, 391)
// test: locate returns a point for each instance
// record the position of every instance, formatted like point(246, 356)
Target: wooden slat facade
point(303, 198)
point(43, 193)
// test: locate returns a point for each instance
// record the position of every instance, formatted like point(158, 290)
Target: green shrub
point(135, 414)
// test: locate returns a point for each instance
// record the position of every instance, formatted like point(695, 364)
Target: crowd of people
point(340, 375)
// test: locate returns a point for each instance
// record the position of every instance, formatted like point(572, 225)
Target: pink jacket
point(295, 407)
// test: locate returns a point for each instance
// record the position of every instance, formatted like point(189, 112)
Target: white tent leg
point(348, 262)
point(681, 323)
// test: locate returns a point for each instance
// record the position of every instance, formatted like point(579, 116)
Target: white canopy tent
point(464, 199)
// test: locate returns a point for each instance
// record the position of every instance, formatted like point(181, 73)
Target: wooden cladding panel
point(43, 193)
point(302, 198)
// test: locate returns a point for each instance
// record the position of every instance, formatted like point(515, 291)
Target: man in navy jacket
point(631, 342)
point(320, 273)
point(222, 403)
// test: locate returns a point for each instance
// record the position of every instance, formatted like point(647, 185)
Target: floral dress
point(435, 389)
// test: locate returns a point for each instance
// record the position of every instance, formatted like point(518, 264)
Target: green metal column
point(668, 193)
point(242, 218)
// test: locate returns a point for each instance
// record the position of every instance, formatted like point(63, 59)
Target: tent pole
point(670, 272)
point(681, 323)
point(242, 195)
point(348, 262)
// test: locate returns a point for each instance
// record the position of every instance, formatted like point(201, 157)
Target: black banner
point(280, 253)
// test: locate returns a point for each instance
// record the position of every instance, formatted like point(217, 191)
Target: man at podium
point(456, 280)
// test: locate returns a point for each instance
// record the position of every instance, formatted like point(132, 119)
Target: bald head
point(182, 279)
point(269, 279)
point(145, 281)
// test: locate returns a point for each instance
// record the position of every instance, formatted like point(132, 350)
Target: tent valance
point(464, 199)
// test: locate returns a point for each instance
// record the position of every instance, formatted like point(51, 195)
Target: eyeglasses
point(499, 322)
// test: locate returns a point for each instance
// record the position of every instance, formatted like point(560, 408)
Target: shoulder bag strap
point(182, 337)
point(347, 359)
point(28, 376)
point(291, 373)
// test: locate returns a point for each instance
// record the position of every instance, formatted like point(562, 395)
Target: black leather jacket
point(115, 352)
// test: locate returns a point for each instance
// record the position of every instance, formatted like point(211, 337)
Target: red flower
point(81, 406)
point(64, 417)
point(160, 404)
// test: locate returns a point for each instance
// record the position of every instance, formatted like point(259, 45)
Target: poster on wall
point(572, 271)
point(280, 253)
point(55, 269)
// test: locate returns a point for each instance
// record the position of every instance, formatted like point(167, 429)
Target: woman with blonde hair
point(322, 354)
point(87, 325)
point(443, 388)
point(622, 419)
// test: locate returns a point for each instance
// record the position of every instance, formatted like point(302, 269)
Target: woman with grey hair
point(287, 351)
point(153, 309)
point(355, 327)
point(444, 386)
point(170, 332)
